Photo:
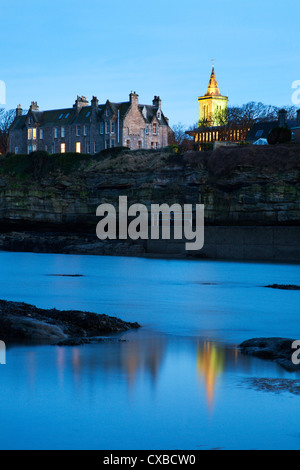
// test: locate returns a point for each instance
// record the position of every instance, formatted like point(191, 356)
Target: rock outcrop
point(278, 350)
point(23, 322)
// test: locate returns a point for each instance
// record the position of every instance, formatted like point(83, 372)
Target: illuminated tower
point(212, 103)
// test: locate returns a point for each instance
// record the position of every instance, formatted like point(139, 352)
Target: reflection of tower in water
point(210, 363)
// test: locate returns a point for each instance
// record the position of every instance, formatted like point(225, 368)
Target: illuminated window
point(29, 134)
point(34, 134)
point(78, 147)
point(62, 132)
point(154, 145)
point(62, 148)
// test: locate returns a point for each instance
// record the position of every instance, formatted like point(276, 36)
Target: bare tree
point(6, 119)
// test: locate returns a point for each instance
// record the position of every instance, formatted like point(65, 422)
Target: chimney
point(34, 106)
point(282, 118)
point(81, 102)
point(298, 117)
point(19, 110)
point(95, 104)
point(134, 99)
point(157, 102)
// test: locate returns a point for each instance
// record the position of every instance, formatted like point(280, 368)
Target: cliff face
point(239, 186)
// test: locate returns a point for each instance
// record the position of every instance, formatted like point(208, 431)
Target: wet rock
point(284, 287)
point(24, 322)
point(278, 350)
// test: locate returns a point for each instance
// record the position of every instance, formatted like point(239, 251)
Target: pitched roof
point(261, 130)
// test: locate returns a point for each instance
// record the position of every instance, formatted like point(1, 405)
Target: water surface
point(177, 383)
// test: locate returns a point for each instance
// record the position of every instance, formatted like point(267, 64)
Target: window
point(101, 127)
point(67, 115)
point(29, 149)
point(53, 148)
point(84, 130)
point(259, 133)
point(95, 147)
point(34, 134)
point(154, 145)
point(147, 130)
point(77, 131)
point(128, 143)
point(78, 147)
point(88, 114)
point(29, 134)
point(55, 133)
point(16, 149)
point(154, 128)
point(41, 134)
point(34, 148)
point(88, 147)
point(107, 127)
point(112, 127)
point(62, 132)
point(112, 143)
point(158, 115)
point(140, 144)
point(60, 117)
point(62, 148)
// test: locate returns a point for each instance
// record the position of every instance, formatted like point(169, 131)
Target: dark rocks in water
point(284, 287)
point(24, 322)
point(278, 350)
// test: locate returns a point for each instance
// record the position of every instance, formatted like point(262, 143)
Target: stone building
point(90, 128)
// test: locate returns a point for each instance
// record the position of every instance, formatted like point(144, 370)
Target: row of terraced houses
point(90, 128)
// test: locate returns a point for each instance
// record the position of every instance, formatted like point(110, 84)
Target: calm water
point(177, 383)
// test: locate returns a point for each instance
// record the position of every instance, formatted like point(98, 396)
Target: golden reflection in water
point(210, 363)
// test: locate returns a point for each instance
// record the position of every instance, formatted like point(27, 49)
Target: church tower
point(211, 103)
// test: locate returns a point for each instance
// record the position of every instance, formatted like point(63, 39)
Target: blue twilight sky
point(53, 50)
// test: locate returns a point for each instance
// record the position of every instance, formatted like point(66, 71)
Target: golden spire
point(213, 88)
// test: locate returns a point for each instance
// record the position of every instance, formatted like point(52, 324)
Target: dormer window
point(158, 115)
point(60, 117)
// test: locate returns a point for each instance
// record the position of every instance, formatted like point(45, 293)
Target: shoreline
point(219, 246)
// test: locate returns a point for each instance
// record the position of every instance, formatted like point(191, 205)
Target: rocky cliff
point(247, 186)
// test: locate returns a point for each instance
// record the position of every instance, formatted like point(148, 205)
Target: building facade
point(90, 127)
